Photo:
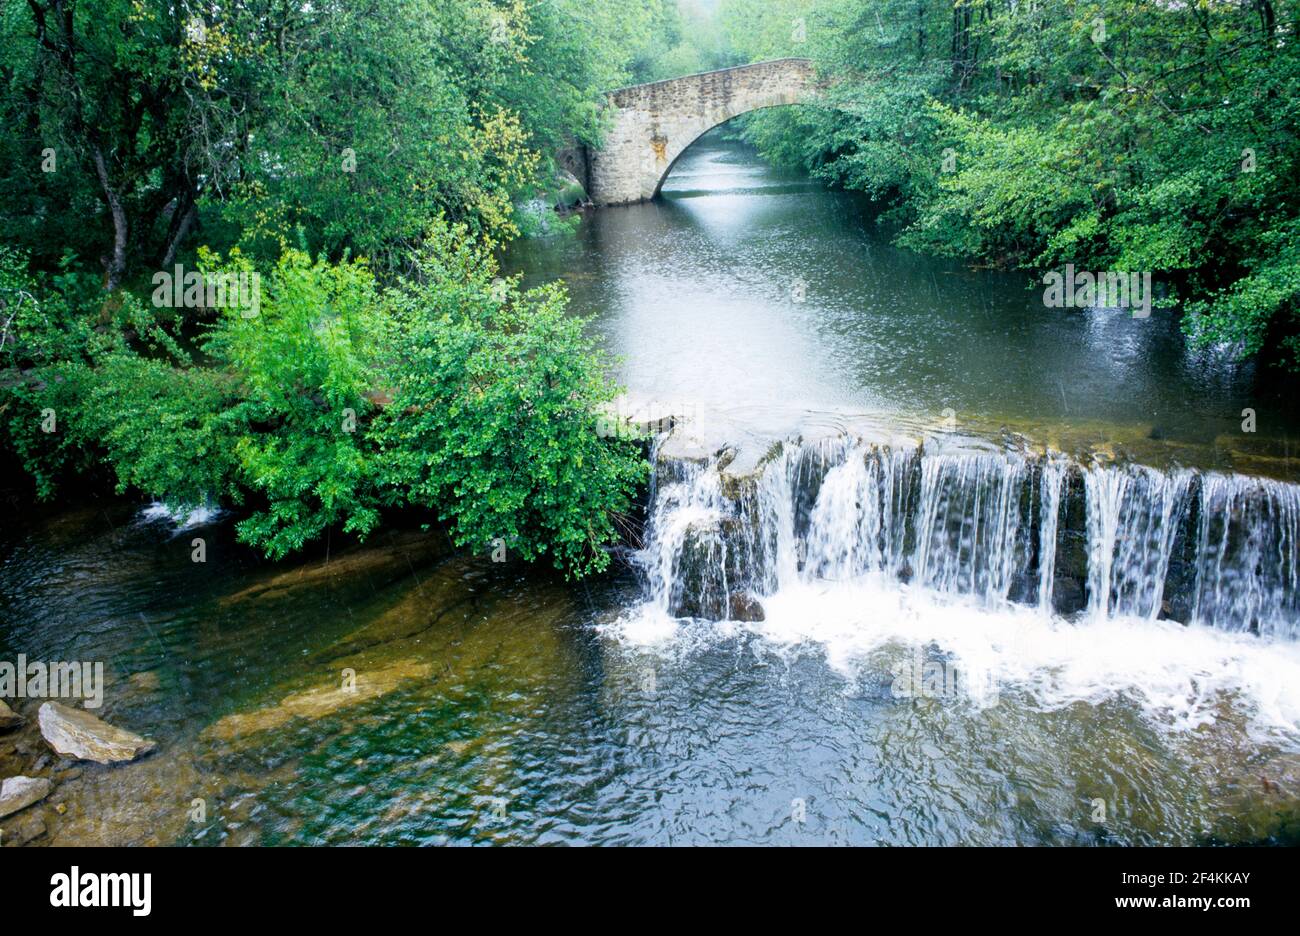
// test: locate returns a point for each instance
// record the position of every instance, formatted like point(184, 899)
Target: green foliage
point(1265, 300)
point(494, 416)
point(999, 203)
point(1113, 134)
point(303, 367)
point(297, 139)
point(449, 391)
point(165, 430)
point(48, 339)
point(131, 125)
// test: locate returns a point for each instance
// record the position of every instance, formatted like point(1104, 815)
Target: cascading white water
point(1063, 580)
point(1221, 551)
point(855, 526)
point(1134, 515)
point(1051, 486)
point(775, 509)
point(180, 517)
point(969, 524)
point(1247, 556)
point(685, 519)
point(1105, 492)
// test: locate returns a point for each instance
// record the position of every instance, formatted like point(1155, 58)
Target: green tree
point(493, 424)
point(1113, 134)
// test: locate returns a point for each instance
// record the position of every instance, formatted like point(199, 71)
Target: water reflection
point(753, 292)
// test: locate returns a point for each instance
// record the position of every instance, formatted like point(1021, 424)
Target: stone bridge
point(652, 124)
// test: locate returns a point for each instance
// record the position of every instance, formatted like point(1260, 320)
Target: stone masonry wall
point(654, 123)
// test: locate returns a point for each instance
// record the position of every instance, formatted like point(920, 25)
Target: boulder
point(744, 607)
point(20, 792)
point(85, 737)
point(699, 589)
point(680, 447)
point(9, 718)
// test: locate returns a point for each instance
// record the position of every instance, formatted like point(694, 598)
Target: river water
point(759, 298)
point(970, 630)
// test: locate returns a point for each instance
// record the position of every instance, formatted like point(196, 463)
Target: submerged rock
point(20, 792)
point(30, 828)
point(384, 559)
point(746, 608)
point(148, 681)
point(81, 735)
point(321, 701)
point(9, 719)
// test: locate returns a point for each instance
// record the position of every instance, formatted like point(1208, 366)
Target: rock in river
point(8, 717)
point(746, 608)
point(82, 735)
point(20, 792)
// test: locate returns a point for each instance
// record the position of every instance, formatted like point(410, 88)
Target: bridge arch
point(652, 124)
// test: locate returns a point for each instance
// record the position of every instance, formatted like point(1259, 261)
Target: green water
point(760, 299)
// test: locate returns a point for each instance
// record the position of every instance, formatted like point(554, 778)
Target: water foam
point(180, 517)
point(866, 556)
point(1181, 676)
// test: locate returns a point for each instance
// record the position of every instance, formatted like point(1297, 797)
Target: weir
point(1083, 540)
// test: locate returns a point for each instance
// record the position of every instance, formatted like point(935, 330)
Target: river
point(967, 632)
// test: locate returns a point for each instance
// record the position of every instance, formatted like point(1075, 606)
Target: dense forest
point(1124, 135)
point(362, 160)
point(344, 173)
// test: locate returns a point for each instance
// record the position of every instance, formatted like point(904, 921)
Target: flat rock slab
point(20, 792)
point(81, 735)
point(317, 703)
point(8, 717)
point(30, 828)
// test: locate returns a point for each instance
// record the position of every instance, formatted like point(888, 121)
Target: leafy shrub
point(451, 391)
point(493, 421)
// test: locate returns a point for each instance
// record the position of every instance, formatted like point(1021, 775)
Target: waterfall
point(685, 552)
point(855, 527)
point(994, 527)
point(1246, 556)
point(775, 508)
point(1133, 517)
point(1050, 488)
point(970, 524)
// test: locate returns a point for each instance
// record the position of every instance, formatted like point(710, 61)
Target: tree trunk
point(114, 266)
point(182, 221)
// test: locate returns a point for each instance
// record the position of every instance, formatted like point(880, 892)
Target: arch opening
point(658, 189)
